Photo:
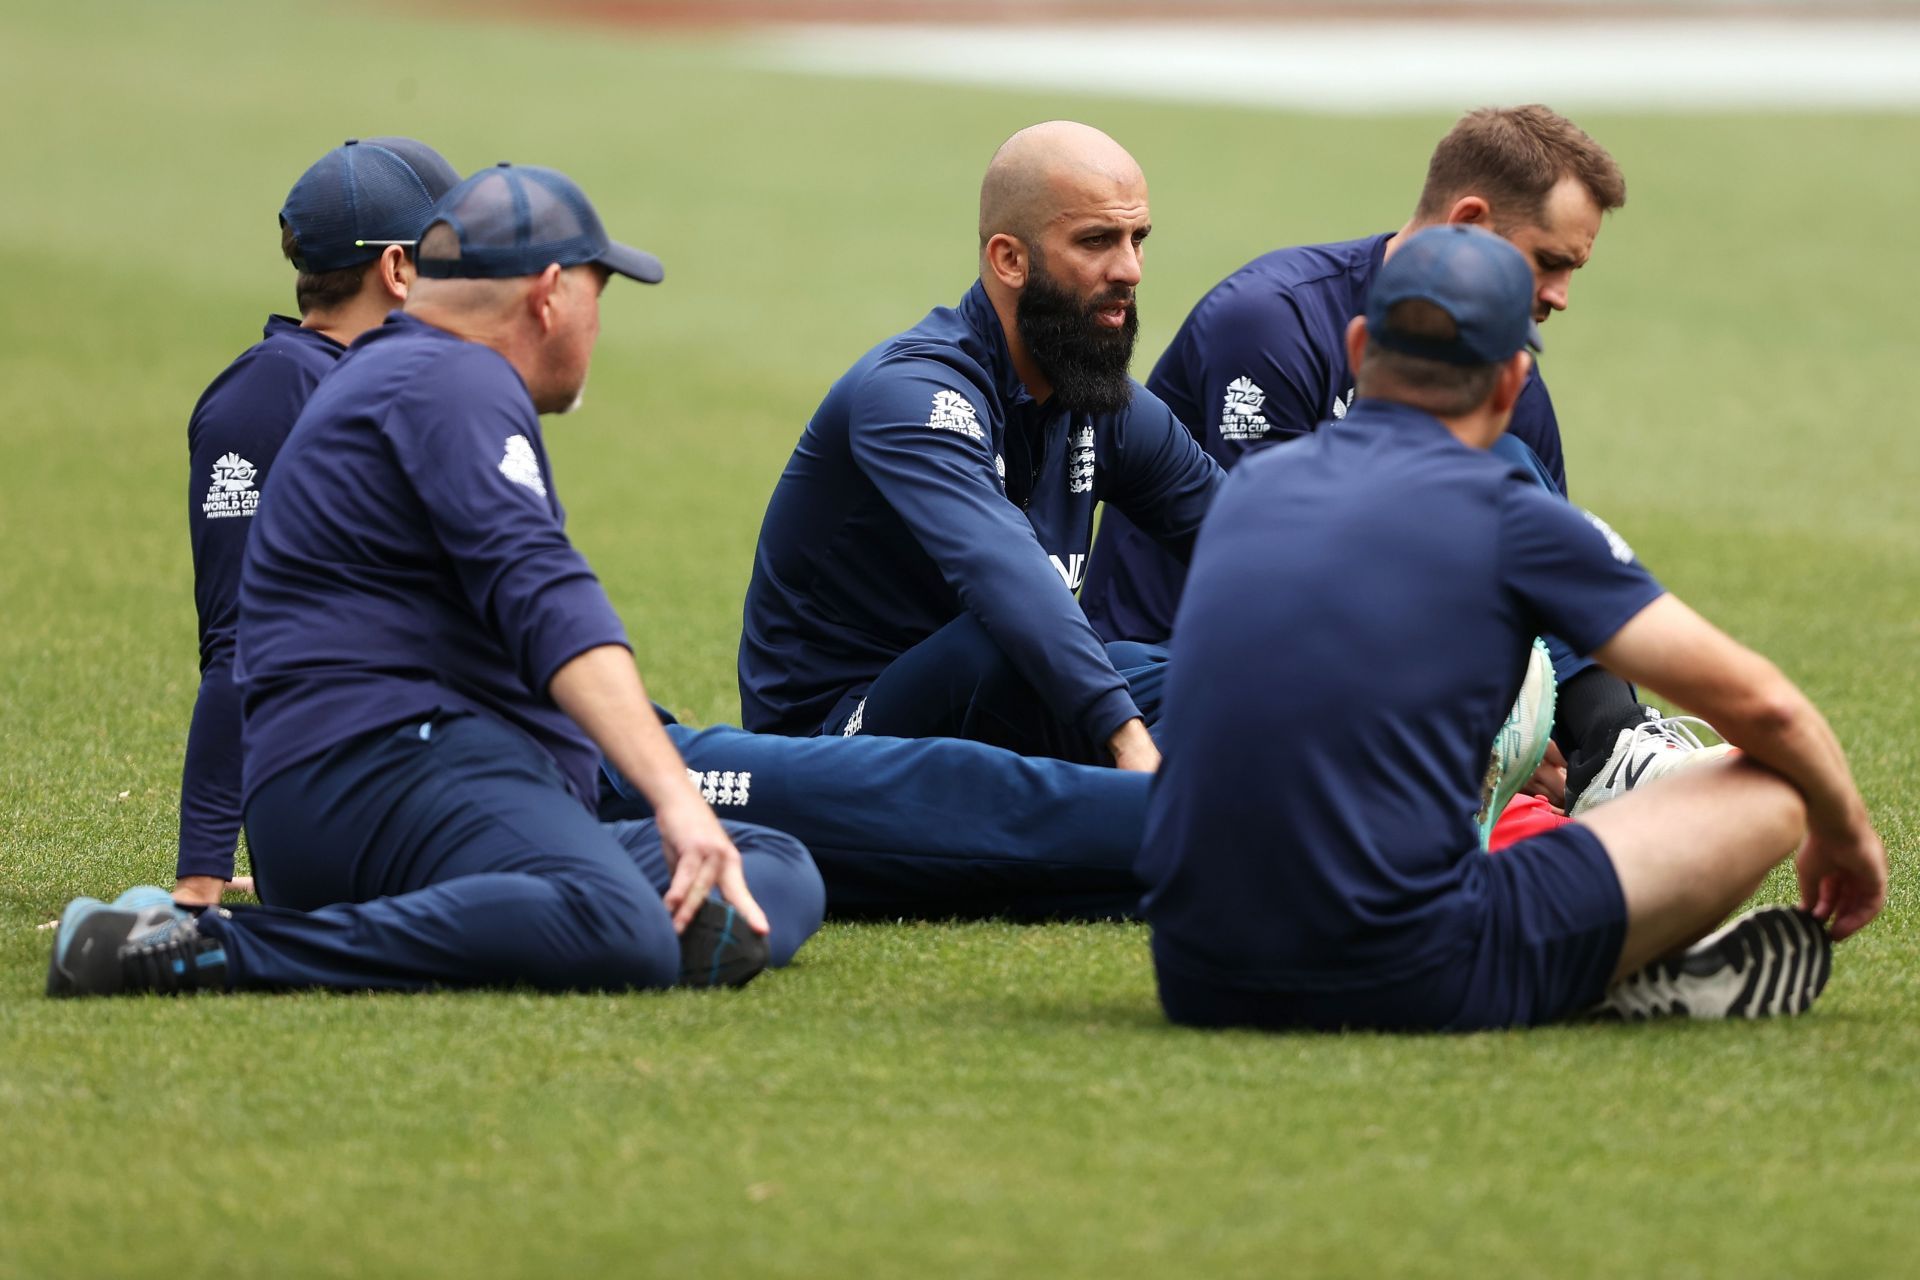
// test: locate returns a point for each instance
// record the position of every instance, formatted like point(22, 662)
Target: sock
point(1585, 766)
point(1589, 711)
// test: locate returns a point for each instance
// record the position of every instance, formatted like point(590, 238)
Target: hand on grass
point(703, 858)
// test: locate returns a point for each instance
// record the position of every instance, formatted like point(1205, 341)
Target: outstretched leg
point(927, 827)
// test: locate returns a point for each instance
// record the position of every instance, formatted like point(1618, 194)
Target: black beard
point(1085, 361)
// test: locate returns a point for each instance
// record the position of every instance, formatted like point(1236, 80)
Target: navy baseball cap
point(516, 220)
point(362, 196)
point(1480, 281)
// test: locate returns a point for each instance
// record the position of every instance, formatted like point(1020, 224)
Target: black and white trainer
point(141, 942)
point(1768, 963)
point(719, 950)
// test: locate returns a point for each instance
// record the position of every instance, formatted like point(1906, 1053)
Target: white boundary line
point(1365, 68)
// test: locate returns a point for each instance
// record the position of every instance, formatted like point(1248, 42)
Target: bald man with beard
point(916, 568)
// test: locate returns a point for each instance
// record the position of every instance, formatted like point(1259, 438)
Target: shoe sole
point(1509, 782)
point(1780, 956)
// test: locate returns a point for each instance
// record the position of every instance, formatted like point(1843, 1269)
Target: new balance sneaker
point(1657, 747)
point(719, 950)
point(1521, 744)
point(1770, 962)
point(142, 941)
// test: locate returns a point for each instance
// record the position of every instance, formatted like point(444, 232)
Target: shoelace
point(1676, 730)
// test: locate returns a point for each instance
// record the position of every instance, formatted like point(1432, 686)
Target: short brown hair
point(1442, 389)
point(320, 290)
point(1514, 156)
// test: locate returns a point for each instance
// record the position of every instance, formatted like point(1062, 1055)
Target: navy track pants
point(957, 683)
point(930, 827)
point(451, 853)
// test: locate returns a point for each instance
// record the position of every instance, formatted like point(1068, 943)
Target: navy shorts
point(1543, 951)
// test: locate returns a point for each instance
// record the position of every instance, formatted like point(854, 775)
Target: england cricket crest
point(1080, 461)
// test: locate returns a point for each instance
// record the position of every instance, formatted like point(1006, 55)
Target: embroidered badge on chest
point(1080, 461)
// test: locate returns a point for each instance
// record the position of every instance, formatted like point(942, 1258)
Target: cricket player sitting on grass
point(916, 567)
point(432, 674)
point(903, 828)
point(1334, 877)
point(348, 227)
point(1261, 359)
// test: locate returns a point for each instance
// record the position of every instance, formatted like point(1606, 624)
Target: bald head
point(1046, 169)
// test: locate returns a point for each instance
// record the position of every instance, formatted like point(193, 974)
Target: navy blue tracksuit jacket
point(928, 484)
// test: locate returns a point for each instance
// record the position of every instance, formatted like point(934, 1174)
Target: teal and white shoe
point(142, 941)
point(1521, 744)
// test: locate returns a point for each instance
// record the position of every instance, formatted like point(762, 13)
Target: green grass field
point(911, 1099)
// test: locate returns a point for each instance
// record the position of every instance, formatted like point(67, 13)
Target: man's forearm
point(600, 690)
point(1780, 727)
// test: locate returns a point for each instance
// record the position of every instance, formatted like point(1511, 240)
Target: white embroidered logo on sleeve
point(232, 492)
point(951, 412)
point(1615, 543)
point(520, 466)
point(1241, 411)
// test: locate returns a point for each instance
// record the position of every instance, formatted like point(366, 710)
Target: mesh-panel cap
point(362, 196)
point(1477, 278)
point(516, 220)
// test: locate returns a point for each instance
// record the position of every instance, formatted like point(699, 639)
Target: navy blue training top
point(929, 482)
point(411, 556)
point(232, 439)
point(1354, 631)
point(1260, 359)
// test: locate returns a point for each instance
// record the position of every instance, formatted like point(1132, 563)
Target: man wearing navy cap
point(916, 566)
point(432, 673)
point(1334, 878)
point(348, 228)
point(1261, 359)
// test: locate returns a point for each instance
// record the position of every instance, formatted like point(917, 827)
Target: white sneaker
point(1521, 744)
point(1650, 750)
point(1770, 962)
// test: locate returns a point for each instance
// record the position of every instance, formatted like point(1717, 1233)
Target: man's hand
point(1549, 781)
point(1843, 877)
point(205, 891)
point(702, 857)
point(1133, 748)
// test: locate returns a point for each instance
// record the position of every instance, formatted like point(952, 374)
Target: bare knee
point(1689, 849)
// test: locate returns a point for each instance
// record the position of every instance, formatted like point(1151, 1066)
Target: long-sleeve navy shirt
point(1260, 359)
point(410, 557)
point(929, 482)
point(234, 435)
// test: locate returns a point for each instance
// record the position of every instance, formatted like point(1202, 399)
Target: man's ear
point(1356, 343)
point(1008, 259)
point(1512, 380)
point(1472, 211)
point(542, 298)
point(396, 272)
